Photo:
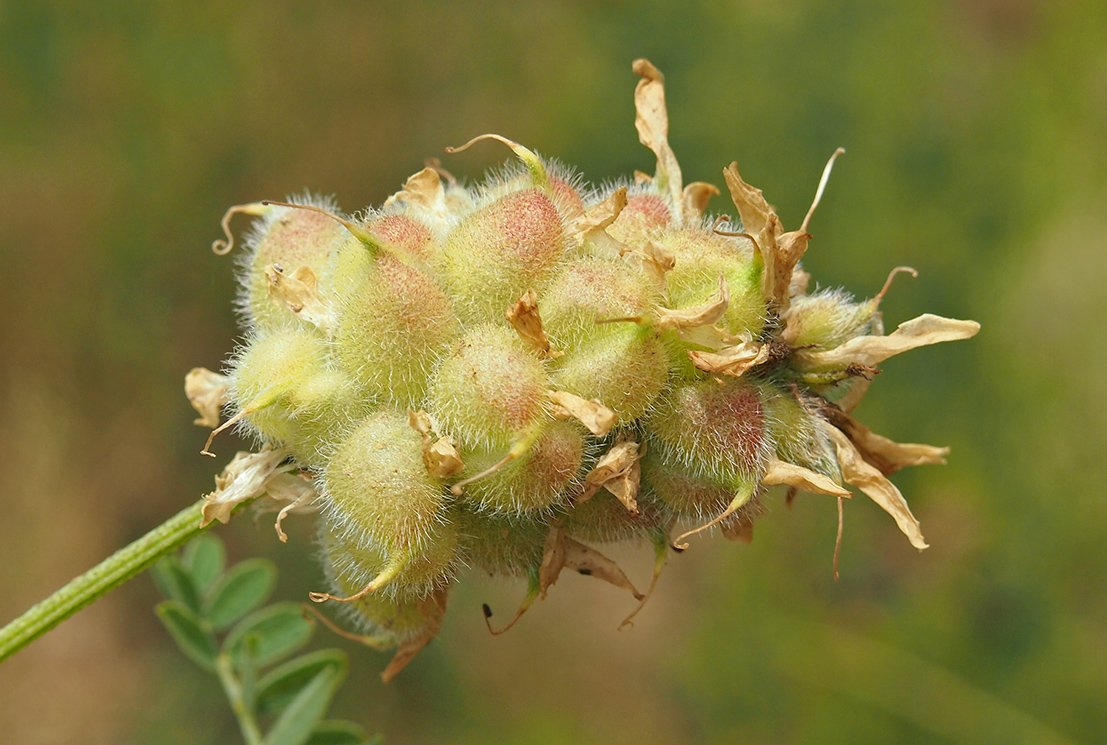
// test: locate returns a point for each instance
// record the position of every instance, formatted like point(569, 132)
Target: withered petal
point(866, 477)
point(872, 350)
point(652, 122)
point(779, 472)
point(207, 391)
point(299, 291)
point(698, 315)
point(596, 417)
point(247, 476)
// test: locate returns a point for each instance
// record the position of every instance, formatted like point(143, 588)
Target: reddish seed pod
point(288, 238)
point(490, 390)
point(498, 252)
point(410, 236)
point(535, 481)
point(711, 429)
point(642, 218)
point(391, 328)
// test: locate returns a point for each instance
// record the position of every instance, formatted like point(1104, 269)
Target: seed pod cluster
point(504, 376)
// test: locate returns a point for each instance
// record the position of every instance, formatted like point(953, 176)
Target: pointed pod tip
point(646, 69)
point(527, 156)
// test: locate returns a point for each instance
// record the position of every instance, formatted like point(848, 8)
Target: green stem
point(108, 574)
point(250, 731)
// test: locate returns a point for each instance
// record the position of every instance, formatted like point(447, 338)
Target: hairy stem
point(105, 576)
point(233, 688)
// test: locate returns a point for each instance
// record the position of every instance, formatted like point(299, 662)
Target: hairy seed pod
point(407, 623)
point(501, 544)
point(826, 320)
point(534, 481)
point(376, 487)
point(604, 519)
point(701, 258)
point(289, 396)
point(391, 326)
point(400, 573)
point(794, 431)
point(288, 238)
point(590, 291)
point(707, 447)
point(498, 252)
point(411, 236)
point(564, 185)
point(642, 218)
point(490, 390)
point(623, 365)
point(348, 567)
point(696, 499)
point(710, 429)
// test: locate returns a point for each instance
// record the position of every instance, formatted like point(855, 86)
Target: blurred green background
point(977, 152)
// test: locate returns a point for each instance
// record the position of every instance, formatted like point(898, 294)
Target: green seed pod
point(604, 519)
point(688, 497)
point(491, 390)
point(391, 326)
point(830, 318)
point(499, 251)
point(591, 290)
point(348, 568)
point(534, 481)
point(501, 544)
point(795, 433)
point(377, 491)
point(623, 365)
point(282, 386)
point(402, 573)
point(826, 319)
point(406, 622)
point(701, 258)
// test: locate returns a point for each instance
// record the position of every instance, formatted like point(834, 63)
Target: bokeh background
point(977, 152)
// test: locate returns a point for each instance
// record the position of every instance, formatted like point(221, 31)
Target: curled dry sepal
point(501, 377)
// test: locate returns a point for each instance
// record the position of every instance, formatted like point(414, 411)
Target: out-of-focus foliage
point(289, 701)
point(976, 137)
